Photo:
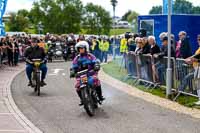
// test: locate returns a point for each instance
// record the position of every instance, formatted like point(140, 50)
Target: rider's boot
point(99, 93)
point(30, 83)
point(80, 96)
point(43, 83)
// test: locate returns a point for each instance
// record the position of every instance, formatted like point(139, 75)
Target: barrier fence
point(151, 72)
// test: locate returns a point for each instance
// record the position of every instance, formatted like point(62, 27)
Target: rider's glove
point(97, 66)
point(28, 61)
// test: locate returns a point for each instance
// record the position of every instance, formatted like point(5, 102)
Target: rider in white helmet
point(86, 60)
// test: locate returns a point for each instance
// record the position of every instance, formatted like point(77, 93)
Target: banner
point(3, 4)
point(165, 6)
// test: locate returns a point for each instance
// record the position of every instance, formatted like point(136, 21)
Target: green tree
point(182, 7)
point(60, 16)
point(125, 16)
point(156, 10)
point(18, 21)
point(196, 10)
point(96, 20)
point(132, 17)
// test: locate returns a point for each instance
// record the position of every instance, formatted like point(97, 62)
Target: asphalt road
point(57, 110)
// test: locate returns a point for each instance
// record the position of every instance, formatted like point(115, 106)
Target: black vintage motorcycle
point(88, 93)
point(36, 75)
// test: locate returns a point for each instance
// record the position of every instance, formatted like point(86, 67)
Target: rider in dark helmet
point(35, 52)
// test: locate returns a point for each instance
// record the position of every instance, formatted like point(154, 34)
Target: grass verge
point(113, 69)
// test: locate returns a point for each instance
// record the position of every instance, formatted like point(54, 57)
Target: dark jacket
point(185, 49)
point(164, 52)
point(132, 47)
point(146, 49)
point(35, 53)
point(155, 49)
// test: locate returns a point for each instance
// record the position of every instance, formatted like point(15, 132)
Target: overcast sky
point(140, 6)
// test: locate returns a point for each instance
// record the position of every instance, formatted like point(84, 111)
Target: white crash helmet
point(82, 44)
point(70, 39)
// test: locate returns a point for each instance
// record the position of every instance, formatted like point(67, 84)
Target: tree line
point(61, 17)
point(179, 7)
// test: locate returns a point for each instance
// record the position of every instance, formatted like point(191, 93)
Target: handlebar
point(82, 72)
point(36, 60)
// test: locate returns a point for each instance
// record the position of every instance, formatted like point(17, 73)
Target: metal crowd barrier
point(185, 78)
point(132, 65)
point(145, 70)
point(152, 71)
point(161, 70)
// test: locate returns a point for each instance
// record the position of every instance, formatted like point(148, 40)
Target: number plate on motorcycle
point(84, 79)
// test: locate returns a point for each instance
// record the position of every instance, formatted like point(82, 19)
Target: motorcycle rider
point(71, 47)
point(86, 60)
point(35, 52)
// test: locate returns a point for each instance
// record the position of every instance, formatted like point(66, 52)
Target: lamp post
point(114, 4)
point(40, 27)
point(169, 69)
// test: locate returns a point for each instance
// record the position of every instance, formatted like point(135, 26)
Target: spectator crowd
point(13, 47)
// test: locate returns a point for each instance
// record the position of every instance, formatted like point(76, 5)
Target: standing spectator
point(10, 51)
point(164, 49)
point(159, 66)
point(123, 45)
point(131, 44)
point(115, 46)
point(100, 40)
point(96, 49)
point(105, 49)
point(154, 48)
point(146, 46)
point(184, 46)
point(162, 35)
point(16, 52)
point(138, 49)
point(195, 74)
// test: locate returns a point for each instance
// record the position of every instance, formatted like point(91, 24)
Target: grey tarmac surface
point(57, 110)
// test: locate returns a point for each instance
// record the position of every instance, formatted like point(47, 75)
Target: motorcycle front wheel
point(38, 83)
point(88, 101)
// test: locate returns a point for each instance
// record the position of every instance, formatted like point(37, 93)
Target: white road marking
point(55, 72)
point(63, 74)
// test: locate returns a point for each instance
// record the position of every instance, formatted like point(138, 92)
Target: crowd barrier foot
point(177, 96)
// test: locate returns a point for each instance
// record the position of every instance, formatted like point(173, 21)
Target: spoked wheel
point(35, 89)
point(38, 84)
point(34, 82)
point(88, 101)
point(95, 99)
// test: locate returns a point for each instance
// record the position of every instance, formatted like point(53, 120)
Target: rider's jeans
point(29, 70)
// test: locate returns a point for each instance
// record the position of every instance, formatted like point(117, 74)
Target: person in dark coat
point(146, 46)
point(164, 49)
point(154, 48)
point(185, 48)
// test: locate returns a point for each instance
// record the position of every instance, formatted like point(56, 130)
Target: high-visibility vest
point(93, 45)
point(106, 46)
point(123, 46)
point(101, 45)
